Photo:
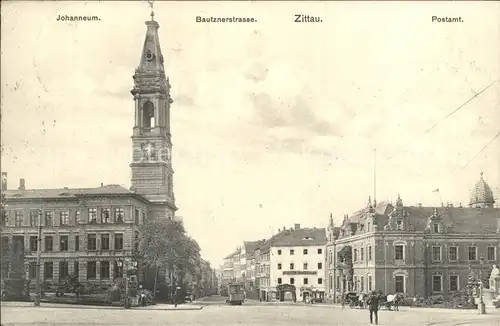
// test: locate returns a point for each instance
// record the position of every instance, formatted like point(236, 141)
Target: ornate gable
point(435, 223)
point(398, 218)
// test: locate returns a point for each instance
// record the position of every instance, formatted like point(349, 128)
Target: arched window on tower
point(148, 115)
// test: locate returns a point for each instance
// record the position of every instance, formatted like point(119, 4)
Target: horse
point(393, 300)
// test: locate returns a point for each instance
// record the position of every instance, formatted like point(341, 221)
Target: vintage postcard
point(250, 163)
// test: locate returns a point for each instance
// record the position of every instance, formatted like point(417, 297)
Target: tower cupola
point(481, 195)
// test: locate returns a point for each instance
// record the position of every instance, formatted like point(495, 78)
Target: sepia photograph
point(250, 163)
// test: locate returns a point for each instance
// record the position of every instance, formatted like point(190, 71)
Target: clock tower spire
point(152, 172)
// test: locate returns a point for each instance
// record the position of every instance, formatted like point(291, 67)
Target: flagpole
point(440, 198)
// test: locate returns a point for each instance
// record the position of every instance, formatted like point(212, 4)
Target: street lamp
point(481, 306)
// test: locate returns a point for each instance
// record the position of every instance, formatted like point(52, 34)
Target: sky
point(273, 122)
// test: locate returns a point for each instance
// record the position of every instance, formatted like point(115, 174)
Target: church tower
point(152, 172)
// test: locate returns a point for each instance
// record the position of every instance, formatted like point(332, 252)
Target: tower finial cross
point(151, 5)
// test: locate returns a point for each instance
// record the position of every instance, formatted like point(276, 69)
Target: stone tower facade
point(152, 172)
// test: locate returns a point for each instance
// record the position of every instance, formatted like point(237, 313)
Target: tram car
point(236, 293)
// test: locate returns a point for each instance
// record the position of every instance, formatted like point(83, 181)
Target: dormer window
point(307, 238)
point(435, 227)
point(399, 225)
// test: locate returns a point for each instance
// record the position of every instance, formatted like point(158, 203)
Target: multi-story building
point(293, 264)
point(91, 231)
point(88, 232)
point(414, 249)
point(227, 274)
point(250, 262)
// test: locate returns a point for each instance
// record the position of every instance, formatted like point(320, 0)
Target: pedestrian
point(373, 303)
point(176, 294)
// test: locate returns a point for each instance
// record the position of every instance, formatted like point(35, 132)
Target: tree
point(163, 243)
point(12, 258)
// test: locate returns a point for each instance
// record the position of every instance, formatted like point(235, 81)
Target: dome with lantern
point(481, 195)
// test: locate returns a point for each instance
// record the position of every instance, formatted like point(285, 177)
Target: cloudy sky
point(273, 122)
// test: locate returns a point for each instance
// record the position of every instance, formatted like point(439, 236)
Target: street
point(215, 312)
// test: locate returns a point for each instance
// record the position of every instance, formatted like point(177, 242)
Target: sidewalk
point(75, 306)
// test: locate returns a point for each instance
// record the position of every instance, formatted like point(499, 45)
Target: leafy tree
point(12, 259)
point(163, 244)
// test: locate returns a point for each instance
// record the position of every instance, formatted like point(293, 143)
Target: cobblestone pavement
point(255, 315)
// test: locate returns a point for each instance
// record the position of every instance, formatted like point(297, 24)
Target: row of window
point(453, 283)
point(91, 242)
point(48, 270)
point(362, 254)
point(105, 217)
point(305, 266)
point(265, 269)
point(453, 253)
point(304, 251)
point(359, 284)
point(399, 283)
point(305, 281)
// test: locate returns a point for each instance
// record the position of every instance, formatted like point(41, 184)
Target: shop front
point(311, 295)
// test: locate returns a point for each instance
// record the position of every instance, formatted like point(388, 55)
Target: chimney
point(102, 184)
point(419, 204)
point(279, 230)
point(22, 184)
point(296, 226)
point(4, 181)
point(284, 228)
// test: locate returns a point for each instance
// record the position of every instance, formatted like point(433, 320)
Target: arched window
point(148, 115)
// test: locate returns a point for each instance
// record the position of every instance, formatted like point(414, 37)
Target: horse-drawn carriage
point(391, 300)
point(355, 300)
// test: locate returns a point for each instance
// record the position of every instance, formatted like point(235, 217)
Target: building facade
point(91, 232)
point(415, 250)
point(86, 232)
point(292, 265)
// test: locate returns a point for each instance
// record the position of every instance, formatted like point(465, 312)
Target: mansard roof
point(457, 219)
point(462, 220)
